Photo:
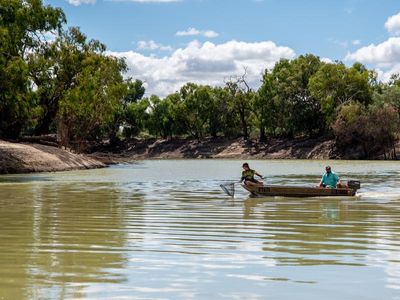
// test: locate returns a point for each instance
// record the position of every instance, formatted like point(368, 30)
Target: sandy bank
point(216, 148)
point(31, 157)
point(26, 157)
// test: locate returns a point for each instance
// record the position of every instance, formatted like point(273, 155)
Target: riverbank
point(35, 157)
point(30, 157)
point(219, 148)
point(322, 148)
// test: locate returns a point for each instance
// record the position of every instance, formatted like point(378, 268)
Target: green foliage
point(127, 114)
point(335, 85)
point(22, 26)
point(161, 119)
point(135, 91)
point(240, 98)
point(285, 106)
point(197, 106)
point(223, 119)
point(195, 111)
point(374, 129)
point(136, 117)
point(89, 106)
point(390, 94)
point(55, 68)
point(16, 97)
point(71, 86)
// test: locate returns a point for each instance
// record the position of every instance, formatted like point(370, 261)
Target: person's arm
point(242, 178)
point(338, 181)
point(321, 183)
point(262, 177)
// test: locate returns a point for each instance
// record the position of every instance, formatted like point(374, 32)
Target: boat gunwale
point(296, 191)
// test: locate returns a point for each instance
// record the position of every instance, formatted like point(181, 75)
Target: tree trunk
point(263, 137)
point(394, 150)
point(244, 125)
point(44, 126)
point(114, 139)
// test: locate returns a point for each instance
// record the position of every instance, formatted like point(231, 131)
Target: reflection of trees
point(62, 238)
point(298, 230)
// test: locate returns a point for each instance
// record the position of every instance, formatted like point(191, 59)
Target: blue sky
point(204, 41)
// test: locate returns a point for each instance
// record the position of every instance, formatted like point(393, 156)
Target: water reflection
point(58, 239)
point(164, 230)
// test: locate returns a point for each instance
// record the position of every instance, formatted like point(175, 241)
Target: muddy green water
point(165, 230)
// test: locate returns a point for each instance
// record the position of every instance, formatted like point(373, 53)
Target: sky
point(167, 43)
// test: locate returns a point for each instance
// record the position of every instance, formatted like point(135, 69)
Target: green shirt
point(330, 180)
point(248, 175)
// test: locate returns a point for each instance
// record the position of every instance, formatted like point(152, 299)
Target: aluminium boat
point(349, 190)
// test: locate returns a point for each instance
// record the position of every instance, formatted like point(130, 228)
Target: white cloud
point(384, 57)
point(384, 74)
point(152, 45)
point(356, 42)
point(393, 24)
point(79, 2)
point(193, 32)
point(384, 54)
point(327, 60)
point(204, 63)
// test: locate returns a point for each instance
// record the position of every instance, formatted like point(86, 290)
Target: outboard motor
point(354, 184)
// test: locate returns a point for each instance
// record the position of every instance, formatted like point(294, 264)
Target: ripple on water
point(173, 234)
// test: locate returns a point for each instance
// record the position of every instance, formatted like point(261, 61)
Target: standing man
point(329, 179)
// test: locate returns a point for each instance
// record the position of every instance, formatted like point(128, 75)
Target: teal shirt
point(330, 180)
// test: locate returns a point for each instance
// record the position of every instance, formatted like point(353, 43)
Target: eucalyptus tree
point(55, 68)
point(160, 122)
point(23, 26)
point(240, 98)
point(88, 107)
point(132, 113)
point(335, 84)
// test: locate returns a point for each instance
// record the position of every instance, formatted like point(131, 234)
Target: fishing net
point(229, 189)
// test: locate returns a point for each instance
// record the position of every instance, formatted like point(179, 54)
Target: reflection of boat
point(302, 191)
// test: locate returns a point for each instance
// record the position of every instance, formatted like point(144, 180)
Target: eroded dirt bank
point(27, 157)
point(216, 148)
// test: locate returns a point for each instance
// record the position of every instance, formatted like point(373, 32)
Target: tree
point(285, 105)
point(374, 129)
point(198, 105)
point(134, 109)
point(390, 94)
point(240, 98)
point(88, 107)
point(160, 121)
point(55, 68)
point(335, 85)
point(223, 118)
point(264, 108)
point(22, 28)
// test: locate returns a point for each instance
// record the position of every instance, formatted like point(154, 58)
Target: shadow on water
point(24, 178)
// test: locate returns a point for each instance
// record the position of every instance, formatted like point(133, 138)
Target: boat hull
point(297, 191)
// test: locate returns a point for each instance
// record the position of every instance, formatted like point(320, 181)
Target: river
point(165, 230)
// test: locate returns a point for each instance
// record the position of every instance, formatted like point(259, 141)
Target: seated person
point(248, 176)
point(330, 179)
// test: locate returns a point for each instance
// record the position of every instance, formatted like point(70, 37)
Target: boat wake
point(390, 195)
